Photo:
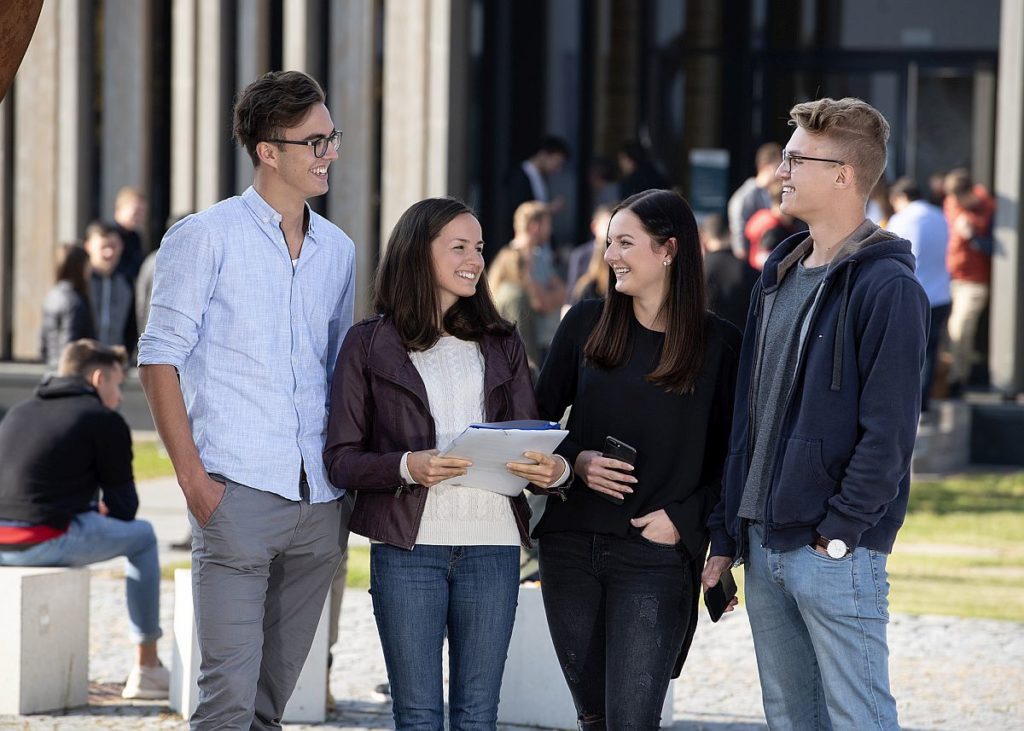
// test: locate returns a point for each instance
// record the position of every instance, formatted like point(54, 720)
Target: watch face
point(836, 548)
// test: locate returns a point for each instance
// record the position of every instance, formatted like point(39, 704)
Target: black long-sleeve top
point(681, 439)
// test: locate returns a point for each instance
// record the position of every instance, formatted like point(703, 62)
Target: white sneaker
point(147, 683)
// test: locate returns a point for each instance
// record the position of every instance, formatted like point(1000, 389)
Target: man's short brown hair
point(858, 129)
point(82, 357)
point(274, 102)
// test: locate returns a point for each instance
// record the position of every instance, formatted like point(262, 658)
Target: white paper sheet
point(491, 449)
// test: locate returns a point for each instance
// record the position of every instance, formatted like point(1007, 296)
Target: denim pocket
point(802, 487)
point(880, 577)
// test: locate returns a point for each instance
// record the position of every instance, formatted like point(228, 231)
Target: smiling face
point(299, 171)
point(457, 256)
point(808, 191)
point(104, 252)
point(637, 261)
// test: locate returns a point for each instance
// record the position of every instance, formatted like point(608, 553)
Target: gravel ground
point(947, 673)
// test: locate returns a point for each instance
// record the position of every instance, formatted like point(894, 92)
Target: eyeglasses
point(319, 144)
point(789, 158)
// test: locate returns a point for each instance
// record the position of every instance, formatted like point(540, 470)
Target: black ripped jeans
point(618, 609)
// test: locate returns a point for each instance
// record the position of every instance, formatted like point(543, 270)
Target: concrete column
point(302, 32)
point(6, 233)
point(419, 55)
point(213, 103)
point(183, 107)
point(253, 61)
point(36, 125)
point(352, 99)
point(127, 44)
point(75, 126)
point(1006, 349)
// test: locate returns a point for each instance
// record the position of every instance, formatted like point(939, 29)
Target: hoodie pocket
point(802, 485)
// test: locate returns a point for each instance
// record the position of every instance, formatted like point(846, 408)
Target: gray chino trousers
point(261, 569)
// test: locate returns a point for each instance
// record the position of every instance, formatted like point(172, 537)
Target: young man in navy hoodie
point(818, 475)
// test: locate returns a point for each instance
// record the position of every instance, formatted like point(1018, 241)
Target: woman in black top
point(620, 559)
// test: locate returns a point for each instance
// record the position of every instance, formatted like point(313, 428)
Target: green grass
point(961, 549)
point(150, 460)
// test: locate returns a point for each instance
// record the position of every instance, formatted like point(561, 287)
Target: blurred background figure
point(110, 291)
point(879, 209)
point(969, 210)
point(924, 226)
point(130, 210)
point(729, 278)
point(752, 195)
point(593, 283)
point(67, 314)
point(529, 180)
point(639, 171)
point(580, 256)
point(769, 227)
point(529, 257)
point(602, 179)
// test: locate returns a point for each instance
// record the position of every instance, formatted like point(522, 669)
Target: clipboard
point(491, 446)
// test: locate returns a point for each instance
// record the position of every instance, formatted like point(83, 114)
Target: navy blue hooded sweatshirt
point(842, 461)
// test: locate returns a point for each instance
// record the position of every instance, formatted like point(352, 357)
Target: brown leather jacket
point(379, 412)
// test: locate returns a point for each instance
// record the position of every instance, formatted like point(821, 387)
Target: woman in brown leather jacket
point(445, 558)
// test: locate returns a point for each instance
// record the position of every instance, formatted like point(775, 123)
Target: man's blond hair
point(858, 129)
point(82, 357)
point(527, 213)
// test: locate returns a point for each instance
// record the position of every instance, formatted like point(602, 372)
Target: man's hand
point(543, 473)
point(202, 497)
point(713, 570)
point(657, 528)
point(604, 474)
point(427, 468)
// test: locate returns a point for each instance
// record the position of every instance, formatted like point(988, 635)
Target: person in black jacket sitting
point(59, 449)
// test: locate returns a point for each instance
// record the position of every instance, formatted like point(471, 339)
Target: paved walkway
point(947, 673)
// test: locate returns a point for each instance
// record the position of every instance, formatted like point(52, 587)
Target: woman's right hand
point(604, 474)
point(427, 468)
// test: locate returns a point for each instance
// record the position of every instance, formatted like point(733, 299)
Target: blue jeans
point(618, 610)
point(819, 627)
point(469, 593)
point(92, 537)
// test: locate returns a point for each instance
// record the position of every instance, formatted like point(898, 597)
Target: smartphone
point(717, 598)
point(621, 451)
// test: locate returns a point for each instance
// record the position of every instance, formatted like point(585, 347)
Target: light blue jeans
point(92, 537)
point(819, 627)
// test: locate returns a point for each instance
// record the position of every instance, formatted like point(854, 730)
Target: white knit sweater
point(453, 373)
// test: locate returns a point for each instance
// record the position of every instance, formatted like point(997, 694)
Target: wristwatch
point(835, 548)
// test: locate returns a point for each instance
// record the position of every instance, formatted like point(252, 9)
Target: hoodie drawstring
point(837, 353)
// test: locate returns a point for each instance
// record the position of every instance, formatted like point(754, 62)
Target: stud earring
point(666, 262)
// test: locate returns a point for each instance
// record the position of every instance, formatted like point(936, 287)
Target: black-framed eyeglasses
point(788, 158)
point(319, 144)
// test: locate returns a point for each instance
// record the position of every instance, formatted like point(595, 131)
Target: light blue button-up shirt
point(254, 339)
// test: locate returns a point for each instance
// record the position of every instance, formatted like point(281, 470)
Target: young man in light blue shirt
point(925, 227)
point(251, 301)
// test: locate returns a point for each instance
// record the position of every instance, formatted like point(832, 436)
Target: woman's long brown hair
point(664, 215)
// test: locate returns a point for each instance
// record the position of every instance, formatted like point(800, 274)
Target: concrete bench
point(44, 655)
point(533, 690)
point(308, 703)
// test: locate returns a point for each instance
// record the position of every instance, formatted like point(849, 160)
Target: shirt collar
point(266, 213)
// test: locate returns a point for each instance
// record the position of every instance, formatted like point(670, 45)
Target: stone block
point(309, 700)
point(533, 691)
point(44, 658)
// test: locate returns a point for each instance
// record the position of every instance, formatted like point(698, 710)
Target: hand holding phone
point(617, 449)
point(718, 597)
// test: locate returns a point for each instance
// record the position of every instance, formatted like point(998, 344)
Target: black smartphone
point(717, 598)
point(621, 451)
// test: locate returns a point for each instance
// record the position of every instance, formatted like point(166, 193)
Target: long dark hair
point(72, 262)
point(405, 288)
point(664, 215)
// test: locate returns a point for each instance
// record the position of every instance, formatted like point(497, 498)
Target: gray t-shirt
point(778, 368)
